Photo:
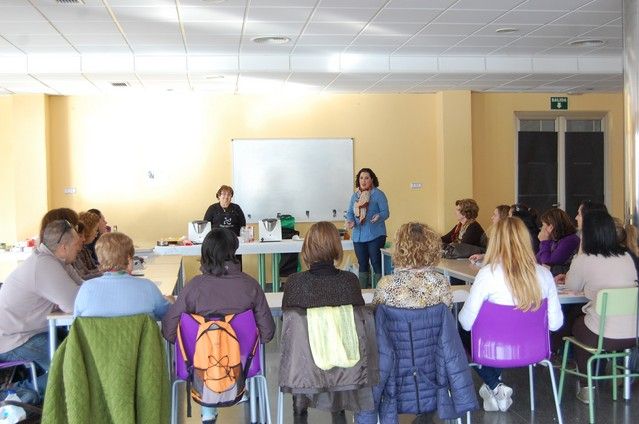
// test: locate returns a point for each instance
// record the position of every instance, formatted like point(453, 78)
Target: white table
point(261, 249)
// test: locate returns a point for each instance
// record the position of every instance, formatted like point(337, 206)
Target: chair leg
point(467, 417)
point(265, 408)
point(531, 382)
point(252, 400)
point(591, 392)
point(614, 378)
point(548, 365)
point(626, 379)
point(280, 406)
point(174, 401)
point(562, 374)
point(34, 376)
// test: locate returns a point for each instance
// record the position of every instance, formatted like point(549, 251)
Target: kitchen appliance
point(270, 229)
point(198, 230)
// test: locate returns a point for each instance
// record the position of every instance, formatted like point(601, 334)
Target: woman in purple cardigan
point(558, 241)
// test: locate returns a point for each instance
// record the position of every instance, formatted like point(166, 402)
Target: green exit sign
point(559, 103)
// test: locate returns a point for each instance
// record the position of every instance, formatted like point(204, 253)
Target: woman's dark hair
point(219, 247)
point(369, 172)
point(589, 206)
point(58, 214)
point(562, 225)
point(599, 235)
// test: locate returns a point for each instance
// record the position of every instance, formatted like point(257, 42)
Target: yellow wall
point(494, 126)
point(457, 144)
point(23, 165)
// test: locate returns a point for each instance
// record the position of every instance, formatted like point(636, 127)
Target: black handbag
point(461, 250)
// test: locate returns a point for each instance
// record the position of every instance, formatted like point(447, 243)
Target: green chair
point(610, 302)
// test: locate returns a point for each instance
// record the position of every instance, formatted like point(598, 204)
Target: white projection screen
point(311, 179)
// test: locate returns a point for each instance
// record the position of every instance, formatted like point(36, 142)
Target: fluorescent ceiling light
point(271, 39)
point(508, 30)
point(590, 42)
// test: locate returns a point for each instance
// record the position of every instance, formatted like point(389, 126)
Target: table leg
point(53, 338)
point(261, 269)
point(383, 260)
point(275, 272)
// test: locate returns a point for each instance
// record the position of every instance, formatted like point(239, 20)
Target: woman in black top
point(467, 229)
point(225, 214)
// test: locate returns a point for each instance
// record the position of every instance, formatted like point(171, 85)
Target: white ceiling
point(352, 46)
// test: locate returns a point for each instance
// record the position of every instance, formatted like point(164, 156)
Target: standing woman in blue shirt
point(367, 213)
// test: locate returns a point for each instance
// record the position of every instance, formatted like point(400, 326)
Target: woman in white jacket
point(511, 276)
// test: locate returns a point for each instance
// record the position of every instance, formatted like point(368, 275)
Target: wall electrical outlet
point(69, 190)
point(415, 186)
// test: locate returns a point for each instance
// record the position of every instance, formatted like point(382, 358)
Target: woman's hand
point(375, 218)
point(543, 234)
point(350, 224)
point(477, 257)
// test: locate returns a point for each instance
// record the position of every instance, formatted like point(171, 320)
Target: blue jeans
point(369, 250)
point(490, 376)
point(35, 349)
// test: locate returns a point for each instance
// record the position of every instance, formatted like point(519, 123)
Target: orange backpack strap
point(200, 321)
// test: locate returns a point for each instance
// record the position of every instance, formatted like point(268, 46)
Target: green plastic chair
point(610, 302)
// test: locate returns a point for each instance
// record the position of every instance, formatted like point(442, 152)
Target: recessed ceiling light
point(507, 30)
point(275, 39)
point(589, 42)
point(120, 84)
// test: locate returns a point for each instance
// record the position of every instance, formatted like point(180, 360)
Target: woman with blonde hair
point(511, 276)
point(414, 283)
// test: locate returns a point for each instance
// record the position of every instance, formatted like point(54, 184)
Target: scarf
point(360, 207)
point(460, 230)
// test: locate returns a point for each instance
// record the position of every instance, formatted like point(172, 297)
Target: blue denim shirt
point(377, 205)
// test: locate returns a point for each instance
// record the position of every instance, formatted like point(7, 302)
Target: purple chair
point(246, 330)
point(26, 364)
point(506, 337)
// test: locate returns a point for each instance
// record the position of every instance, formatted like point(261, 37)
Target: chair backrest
point(611, 302)
point(244, 325)
point(506, 337)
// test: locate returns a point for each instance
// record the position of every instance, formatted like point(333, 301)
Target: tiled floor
point(574, 412)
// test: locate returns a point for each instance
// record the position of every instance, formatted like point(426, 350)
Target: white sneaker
point(490, 403)
point(503, 396)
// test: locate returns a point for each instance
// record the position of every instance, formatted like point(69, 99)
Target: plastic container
point(11, 414)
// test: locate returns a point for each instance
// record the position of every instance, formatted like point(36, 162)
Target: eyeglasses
point(67, 227)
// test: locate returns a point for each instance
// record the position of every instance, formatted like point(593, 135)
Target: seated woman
point(84, 264)
point(500, 212)
point(322, 285)
point(511, 277)
point(118, 293)
point(467, 229)
point(601, 264)
point(414, 283)
point(557, 241)
point(222, 289)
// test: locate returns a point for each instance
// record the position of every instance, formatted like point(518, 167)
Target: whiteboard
point(311, 179)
